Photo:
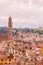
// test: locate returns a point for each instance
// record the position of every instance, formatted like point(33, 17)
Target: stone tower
point(10, 29)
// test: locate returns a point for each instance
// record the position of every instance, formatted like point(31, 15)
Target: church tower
point(10, 29)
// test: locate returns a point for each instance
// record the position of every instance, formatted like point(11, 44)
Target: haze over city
point(25, 13)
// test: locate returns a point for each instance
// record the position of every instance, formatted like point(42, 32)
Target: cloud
point(3, 18)
point(24, 12)
point(3, 1)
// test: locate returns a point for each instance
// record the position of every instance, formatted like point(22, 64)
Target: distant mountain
point(14, 30)
point(40, 28)
point(3, 29)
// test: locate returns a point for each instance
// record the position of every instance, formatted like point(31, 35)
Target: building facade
point(8, 35)
point(10, 29)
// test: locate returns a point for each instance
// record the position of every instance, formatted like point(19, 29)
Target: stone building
point(10, 29)
point(8, 35)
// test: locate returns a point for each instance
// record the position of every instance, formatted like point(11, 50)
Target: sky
point(24, 13)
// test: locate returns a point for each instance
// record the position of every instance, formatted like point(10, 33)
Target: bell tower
point(10, 29)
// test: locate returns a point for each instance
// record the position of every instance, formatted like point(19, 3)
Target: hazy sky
point(25, 13)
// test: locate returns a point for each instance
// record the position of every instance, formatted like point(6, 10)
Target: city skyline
point(25, 13)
